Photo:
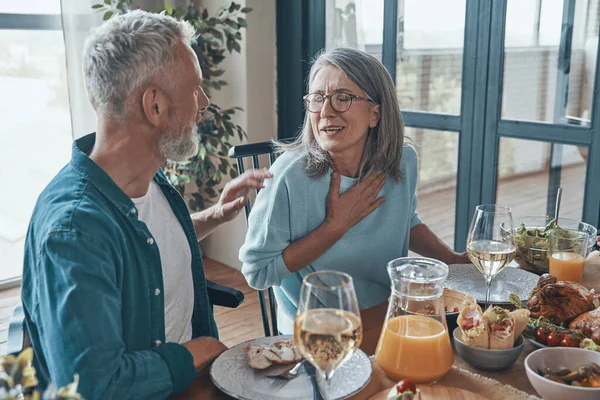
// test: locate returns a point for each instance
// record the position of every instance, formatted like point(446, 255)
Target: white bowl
point(557, 358)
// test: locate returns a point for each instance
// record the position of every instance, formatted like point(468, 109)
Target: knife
point(312, 375)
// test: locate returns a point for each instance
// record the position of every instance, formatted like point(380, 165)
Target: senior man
point(113, 282)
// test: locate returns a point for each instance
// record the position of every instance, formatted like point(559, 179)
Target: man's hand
point(204, 350)
point(235, 193)
point(232, 200)
point(346, 210)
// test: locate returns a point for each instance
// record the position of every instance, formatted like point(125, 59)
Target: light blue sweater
point(293, 204)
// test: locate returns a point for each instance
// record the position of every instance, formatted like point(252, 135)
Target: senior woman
point(342, 196)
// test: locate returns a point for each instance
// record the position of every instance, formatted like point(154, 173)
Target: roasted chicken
point(588, 324)
point(561, 301)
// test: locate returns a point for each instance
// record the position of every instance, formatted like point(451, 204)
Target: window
point(497, 96)
point(34, 109)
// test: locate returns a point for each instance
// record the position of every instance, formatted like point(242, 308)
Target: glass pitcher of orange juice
point(414, 342)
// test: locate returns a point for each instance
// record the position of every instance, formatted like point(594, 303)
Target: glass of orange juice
point(414, 343)
point(568, 249)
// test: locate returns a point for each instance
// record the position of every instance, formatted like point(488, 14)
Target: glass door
point(542, 73)
point(497, 98)
point(426, 64)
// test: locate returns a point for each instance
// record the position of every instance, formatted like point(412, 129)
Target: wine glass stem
point(323, 384)
point(488, 282)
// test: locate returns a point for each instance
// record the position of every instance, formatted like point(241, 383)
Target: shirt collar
point(99, 178)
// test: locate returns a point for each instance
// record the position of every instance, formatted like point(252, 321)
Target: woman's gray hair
point(125, 52)
point(383, 148)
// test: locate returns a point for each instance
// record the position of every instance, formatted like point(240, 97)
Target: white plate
point(232, 375)
point(466, 278)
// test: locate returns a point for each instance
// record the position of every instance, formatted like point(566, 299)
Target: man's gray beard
point(181, 145)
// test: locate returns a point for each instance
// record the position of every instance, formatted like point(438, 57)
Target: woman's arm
point(426, 243)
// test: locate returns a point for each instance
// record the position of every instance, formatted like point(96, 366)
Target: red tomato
point(553, 339)
point(541, 335)
point(405, 386)
point(570, 341)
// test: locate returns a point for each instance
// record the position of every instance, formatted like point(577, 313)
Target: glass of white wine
point(491, 242)
point(327, 328)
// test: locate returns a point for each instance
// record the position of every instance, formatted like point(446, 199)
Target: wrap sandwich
point(521, 320)
point(474, 327)
point(494, 329)
point(501, 325)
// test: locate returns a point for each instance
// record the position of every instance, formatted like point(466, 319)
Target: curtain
point(78, 19)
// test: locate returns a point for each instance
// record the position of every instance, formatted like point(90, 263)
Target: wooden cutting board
point(437, 392)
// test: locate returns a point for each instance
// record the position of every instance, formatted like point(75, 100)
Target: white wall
point(252, 85)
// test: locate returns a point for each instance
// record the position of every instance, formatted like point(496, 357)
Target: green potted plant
point(217, 35)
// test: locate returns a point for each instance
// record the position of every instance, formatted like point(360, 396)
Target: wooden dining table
point(373, 319)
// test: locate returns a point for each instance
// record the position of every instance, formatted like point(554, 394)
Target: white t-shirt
point(176, 260)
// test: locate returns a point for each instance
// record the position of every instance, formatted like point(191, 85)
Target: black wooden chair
point(240, 153)
point(18, 339)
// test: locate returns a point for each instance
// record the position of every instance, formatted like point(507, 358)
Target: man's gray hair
point(125, 52)
point(383, 148)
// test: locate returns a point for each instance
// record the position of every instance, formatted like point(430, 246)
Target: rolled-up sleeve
point(267, 237)
point(415, 219)
point(78, 315)
point(412, 172)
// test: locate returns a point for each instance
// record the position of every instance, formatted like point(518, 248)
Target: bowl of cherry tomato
point(548, 337)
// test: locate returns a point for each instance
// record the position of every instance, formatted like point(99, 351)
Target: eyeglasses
point(340, 101)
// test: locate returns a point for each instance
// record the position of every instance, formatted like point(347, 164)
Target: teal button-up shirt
point(93, 290)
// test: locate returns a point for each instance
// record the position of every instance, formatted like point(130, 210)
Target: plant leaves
point(180, 13)
point(246, 10)
point(168, 8)
point(95, 6)
point(232, 24)
point(108, 2)
point(107, 15)
point(216, 34)
point(242, 22)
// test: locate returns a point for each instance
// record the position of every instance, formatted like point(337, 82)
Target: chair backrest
point(240, 153)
